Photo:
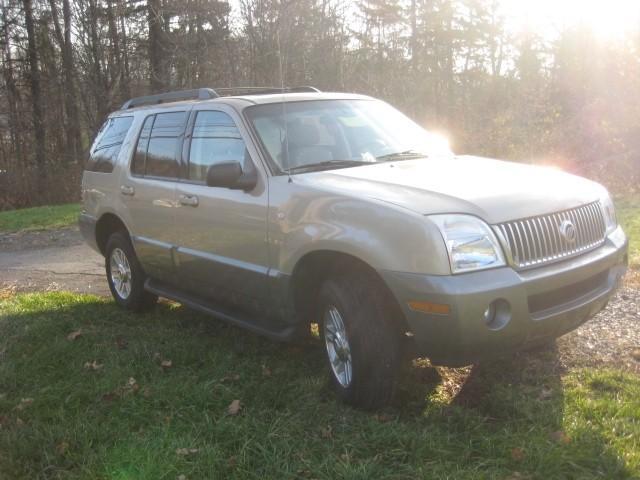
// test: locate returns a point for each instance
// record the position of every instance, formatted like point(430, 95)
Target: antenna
point(284, 108)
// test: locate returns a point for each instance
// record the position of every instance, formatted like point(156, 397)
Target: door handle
point(189, 200)
point(127, 190)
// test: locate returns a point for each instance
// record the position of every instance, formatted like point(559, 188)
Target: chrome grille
point(539, 240)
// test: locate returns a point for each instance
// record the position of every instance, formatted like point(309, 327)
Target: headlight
point(470, 243)
point(609, 213)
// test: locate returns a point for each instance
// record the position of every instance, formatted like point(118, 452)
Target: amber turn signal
point(429, 307)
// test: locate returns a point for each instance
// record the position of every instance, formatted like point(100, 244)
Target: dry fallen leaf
point(121, 342)
point(187, 451)
point(73, 335)
point(560, 437)
point(131, 386)
point(109, 397)
point(326, 432)
point(166, 364)
point(19, 422)
point(230, 378)
point(517, 454)
point(234, 407)
point(383, 417)
point(62, 447)
point(266, 371)
point(93, 365)
point(25, 402)
point(181, 477)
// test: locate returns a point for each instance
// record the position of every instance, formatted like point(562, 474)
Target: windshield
point(325, 134)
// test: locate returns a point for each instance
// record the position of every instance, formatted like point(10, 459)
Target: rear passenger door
point(222, 254)
point(148, 191)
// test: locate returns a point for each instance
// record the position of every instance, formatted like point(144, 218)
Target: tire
point(134, 298)
point(373, 338)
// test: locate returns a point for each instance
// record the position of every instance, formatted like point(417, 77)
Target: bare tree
point(34, 83)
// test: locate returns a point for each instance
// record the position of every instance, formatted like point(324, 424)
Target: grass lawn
point(39, 218)
point(628, 211)
point(147, 397)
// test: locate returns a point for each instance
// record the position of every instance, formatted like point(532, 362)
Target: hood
point(494, 190)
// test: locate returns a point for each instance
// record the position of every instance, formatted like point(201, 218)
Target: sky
point(609, 19)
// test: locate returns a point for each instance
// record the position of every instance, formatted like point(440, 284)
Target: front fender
point(385, 236)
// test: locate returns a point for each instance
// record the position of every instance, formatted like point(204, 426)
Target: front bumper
point(545, 302)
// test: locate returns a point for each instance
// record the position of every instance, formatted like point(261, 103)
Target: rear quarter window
point(106, 147)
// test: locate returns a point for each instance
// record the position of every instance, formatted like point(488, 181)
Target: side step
point(227, 315)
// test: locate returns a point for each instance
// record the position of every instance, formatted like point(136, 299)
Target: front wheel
point(125, 275)
point(361, 337)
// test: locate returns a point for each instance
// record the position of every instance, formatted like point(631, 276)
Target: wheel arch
point(313, 268)
point(107, 224)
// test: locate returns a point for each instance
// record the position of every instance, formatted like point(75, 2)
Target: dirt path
point(50, 260)
point(59, 260)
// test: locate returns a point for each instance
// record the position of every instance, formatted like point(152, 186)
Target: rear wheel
point(125, 275)
point(361, 338)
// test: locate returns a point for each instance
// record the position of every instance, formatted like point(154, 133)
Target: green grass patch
point(39, 218)
point(628, 211)
point(126, 416)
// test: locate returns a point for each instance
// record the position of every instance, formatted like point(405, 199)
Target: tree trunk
point(157, 73)
point(13, 94)
point(117, 54)
point(74, 140)
point(414, 36)
point(34, 83)
point(125, 78)
point(102, 89)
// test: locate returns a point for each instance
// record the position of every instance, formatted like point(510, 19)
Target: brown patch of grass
point(7, 290)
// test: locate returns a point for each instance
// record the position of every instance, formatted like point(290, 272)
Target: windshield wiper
point(328, 164)
point(405, 155)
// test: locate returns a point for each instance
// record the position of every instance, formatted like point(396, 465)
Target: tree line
point(570, 99)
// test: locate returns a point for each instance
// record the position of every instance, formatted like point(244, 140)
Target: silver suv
point(275, 210)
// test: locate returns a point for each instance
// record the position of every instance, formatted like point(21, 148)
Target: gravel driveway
point(50, 260)
point(59, 260)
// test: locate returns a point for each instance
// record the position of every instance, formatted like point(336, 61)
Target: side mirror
point(230, 175)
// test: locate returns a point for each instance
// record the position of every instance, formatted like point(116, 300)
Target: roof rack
point(265, 90)
point(195, 94)
point(209, 93)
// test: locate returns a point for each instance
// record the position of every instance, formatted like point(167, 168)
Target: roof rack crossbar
point(195, 94)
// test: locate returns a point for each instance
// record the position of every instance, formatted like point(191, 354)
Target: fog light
point(497, 314)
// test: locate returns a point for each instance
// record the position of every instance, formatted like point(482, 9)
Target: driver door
point(222, 254)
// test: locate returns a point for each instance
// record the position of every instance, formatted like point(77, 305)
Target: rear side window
point(215, 139)
point(105, 149)
point(158, 145)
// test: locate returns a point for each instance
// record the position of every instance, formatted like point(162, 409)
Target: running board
point(233, 318)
